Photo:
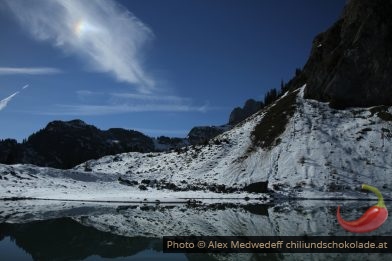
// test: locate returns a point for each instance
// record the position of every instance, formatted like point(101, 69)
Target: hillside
point(64, 144)
point(322, 152)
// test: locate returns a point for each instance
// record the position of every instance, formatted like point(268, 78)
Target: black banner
point(277, 244)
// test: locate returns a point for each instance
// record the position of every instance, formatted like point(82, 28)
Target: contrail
point(4, 102)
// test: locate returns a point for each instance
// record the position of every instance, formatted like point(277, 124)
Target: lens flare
point(82, 27)
point(78, 28)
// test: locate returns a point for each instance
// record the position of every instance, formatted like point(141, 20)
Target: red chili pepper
point(372, 219)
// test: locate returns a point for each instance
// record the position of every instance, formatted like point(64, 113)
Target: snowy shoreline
point(249, 198)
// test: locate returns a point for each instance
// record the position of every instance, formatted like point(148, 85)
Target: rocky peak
point(351, 63)
point(239, 114)
point(202, 134)
point(66, 125)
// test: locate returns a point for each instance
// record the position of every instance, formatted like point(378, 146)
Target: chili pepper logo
point(372, 219)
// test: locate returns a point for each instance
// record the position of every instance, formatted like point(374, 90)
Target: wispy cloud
point(95, 110)
point(29, 71)
point(149, 97)
point(103, 33)
point(4, 102)
point(86, 95)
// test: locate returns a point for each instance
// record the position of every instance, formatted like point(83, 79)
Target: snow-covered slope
point(26, 181)
point(321, 153)
point(321, 150)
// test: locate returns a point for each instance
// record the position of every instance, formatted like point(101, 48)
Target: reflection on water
point(143, 255)
point(10, 251)
point(66, 239)
point(32, 230)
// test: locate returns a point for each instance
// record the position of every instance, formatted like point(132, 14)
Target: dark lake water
point(39, 230)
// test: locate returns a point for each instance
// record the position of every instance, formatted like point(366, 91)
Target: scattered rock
point(142, 187)
point(257, 187)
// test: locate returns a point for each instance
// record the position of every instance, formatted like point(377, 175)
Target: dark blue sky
point(162, 68)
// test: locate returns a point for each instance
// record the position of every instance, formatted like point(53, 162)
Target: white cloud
point(4, 102)
point(103, 33)
point(94, 110)
point(149, 97)
point(97, 103)
point(29, 71)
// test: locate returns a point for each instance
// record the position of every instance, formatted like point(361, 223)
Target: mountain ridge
point(64, 144)
point(319, 155)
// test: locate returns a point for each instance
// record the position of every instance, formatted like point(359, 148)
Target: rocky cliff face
point(351, 63)
point(239, 114)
